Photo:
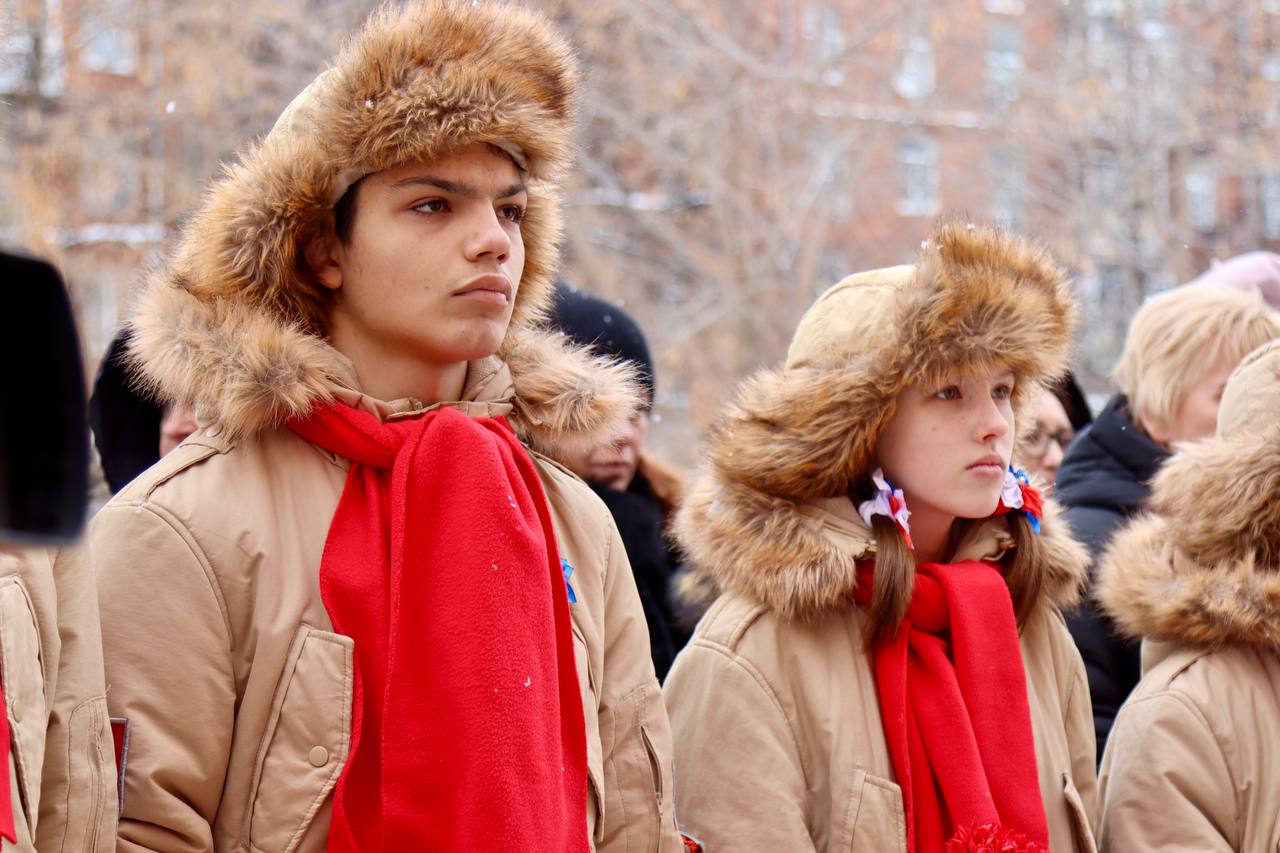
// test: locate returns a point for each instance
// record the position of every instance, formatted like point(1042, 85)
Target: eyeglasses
point(1036, 443)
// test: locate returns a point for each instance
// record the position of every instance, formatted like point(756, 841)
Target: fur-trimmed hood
point(233, 322)
point(758, 521)
point(1203, 566)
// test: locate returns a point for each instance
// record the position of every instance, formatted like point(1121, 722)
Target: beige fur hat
point(978, 296)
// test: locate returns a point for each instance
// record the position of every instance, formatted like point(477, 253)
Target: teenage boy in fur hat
point(359, 609)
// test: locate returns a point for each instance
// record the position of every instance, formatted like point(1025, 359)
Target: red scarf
point(8, 828)
point(953, 698)
point(441, 564)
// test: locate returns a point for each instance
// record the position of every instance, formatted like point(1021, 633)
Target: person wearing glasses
point(1043, 448)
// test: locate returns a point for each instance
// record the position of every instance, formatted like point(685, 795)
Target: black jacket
point(641, 521)
point(1104, 479)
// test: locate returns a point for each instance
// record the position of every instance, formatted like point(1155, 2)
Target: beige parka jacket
point(1192, 763)
point(779, 743)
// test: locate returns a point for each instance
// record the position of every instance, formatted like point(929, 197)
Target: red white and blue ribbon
point(1018, 494)
point(889, 502)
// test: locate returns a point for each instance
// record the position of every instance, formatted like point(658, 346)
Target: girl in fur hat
point(1198, 580)
point(886, 667)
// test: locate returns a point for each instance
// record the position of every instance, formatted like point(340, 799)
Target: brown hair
point(895, 574)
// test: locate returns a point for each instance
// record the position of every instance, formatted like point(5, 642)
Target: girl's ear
point(1156, 429)
point(323, 255)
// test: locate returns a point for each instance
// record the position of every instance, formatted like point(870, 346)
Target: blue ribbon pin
point(568, 572)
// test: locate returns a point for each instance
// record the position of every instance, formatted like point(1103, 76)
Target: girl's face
point(948, 449)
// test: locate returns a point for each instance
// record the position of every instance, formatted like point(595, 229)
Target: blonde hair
point(1179, 334)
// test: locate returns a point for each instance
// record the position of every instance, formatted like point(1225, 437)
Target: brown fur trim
point(567, 399)
point(979, 298)
point(1204, 568)
point(768, 550)
point(243, 370)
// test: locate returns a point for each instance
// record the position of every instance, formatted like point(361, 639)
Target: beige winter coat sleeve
point(167, 649)
point(1165, 783)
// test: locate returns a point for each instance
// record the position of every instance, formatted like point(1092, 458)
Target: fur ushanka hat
point(978, 297)
point(233, 323)
point(806, 432)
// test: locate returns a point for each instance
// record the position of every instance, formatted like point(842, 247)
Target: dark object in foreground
point(44, 440)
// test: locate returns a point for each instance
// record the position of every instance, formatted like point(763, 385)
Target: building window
point(918, 72)
point(1008, 186)
point(1004, 60)
point(1270, 192)
point(111, 50)
point(823, 27)
point(16, 53)
point(918, 161)
point(1102, 177)
point(1201, 186)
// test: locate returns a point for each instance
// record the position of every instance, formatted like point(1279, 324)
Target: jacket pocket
point(307, 739)
point(641, 791)
point(1080, 826)
point(877, 819)
point(21, 667)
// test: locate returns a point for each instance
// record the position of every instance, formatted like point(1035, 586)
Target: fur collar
point(246, 370)
point(799, 558)
point(1203, 567)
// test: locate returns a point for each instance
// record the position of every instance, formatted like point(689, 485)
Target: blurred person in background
point(131, 431)
point(1191, 761)
point(1181, 347)
point(1257, 272)
point(1059, 412)
point(57, 779)
point(641, 491)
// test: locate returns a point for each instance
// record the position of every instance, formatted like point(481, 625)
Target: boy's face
point(430, 271)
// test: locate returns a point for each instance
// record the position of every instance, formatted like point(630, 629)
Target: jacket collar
point(1204, 567)
point(1112, 463)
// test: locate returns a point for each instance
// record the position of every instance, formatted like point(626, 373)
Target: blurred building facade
point(736, 158)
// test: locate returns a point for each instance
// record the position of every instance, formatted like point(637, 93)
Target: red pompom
point(992, 838)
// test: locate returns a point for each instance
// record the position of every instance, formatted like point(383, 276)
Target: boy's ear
point(323, 254)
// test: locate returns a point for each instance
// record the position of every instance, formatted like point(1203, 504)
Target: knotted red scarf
point(441, 564)
point(953, 698)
